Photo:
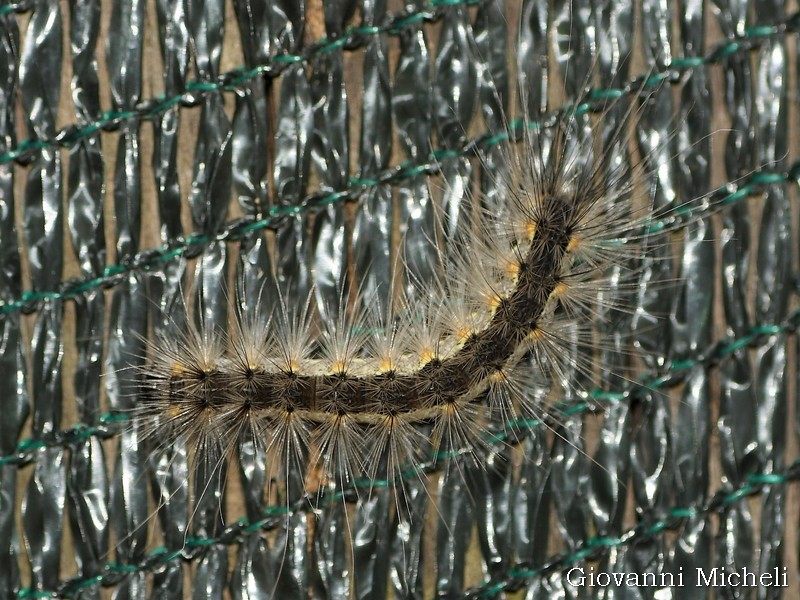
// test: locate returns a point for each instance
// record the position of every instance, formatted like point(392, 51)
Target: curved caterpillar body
point(364, 392)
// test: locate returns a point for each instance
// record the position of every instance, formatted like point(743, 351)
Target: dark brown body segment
point(438, 382)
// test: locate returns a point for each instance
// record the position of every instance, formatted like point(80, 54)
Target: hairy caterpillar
point(125, 509)
point(438, 360)
point(368, 395)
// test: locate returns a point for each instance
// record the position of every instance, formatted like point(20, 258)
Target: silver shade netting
point(151, 151)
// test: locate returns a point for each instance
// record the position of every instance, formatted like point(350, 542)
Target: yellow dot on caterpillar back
point(385, 366)
point(427, 355)
point(512, 269)
point(449, 408)
point(497, 377)
point(174, 411)
point(464, 333)
point(176, 369)
point(494, 301)
point(574, 244)
point(530, 229)
point(560, 289)
point(536, 334)
point(338, 367)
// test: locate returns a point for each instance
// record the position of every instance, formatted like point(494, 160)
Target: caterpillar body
point(377, 380)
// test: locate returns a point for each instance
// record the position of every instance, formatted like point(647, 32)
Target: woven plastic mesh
point(146, 144)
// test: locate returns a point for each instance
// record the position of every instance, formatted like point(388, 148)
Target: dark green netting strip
point(242, 229)
point(515, 578)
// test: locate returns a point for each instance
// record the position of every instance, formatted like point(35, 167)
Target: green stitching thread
point(108, 423)
point(69, 136)
point(351, 39)
point(148, 260)
point(515, 576)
